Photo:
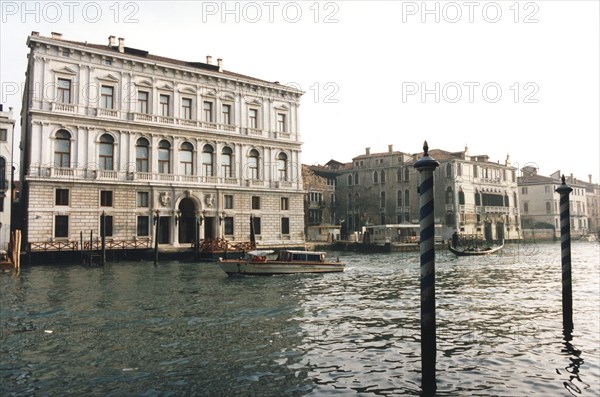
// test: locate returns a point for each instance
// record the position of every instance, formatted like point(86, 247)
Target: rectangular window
point(253, 118)
point(285, 204)
point(142, 102)
point(257, 225)
point(207, 108)
point(143, 199)
point(64, 91)
point(3, 135)
point(107, 231)
point(523, 190)
point(106, 198)
point(285, 225)
point(228, 198)
point(281, 122)
point(255, 202)
point(186, 108)
point(62, 197)
point(143, 226)
point(228, 225)
point(226, 114)
point(61, 226)
point(107, 97)
point(164, 105)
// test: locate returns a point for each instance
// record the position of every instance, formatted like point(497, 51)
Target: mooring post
point(425, 166)
point(91, 245)
point(81, 246)
point(103, 219)
point(196, 238)
point(157, 223)
point(565, 249)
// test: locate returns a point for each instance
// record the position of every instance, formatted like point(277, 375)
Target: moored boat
point(474, 250)
point(268, 262)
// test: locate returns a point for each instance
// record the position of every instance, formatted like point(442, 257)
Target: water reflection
point(131, 328)
point(575, 362)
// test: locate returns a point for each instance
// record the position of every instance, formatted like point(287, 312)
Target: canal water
point(178, 329)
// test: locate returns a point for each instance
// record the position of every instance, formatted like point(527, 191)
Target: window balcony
point(59, 175)
point(111, 113)
point(63, 107)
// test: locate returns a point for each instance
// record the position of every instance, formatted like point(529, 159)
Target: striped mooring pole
point(565, 251)
point(426, 165)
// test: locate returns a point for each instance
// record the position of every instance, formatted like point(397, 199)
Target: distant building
point(540, 202)
point(7, 127)
point(472, 194)
point(114, 130)
point(321, 217)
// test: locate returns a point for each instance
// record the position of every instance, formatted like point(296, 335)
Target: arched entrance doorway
point(187, 220)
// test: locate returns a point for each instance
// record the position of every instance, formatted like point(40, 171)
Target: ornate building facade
point(472, 194)
point(143, 139)
point(540, 207)
point(7, 126)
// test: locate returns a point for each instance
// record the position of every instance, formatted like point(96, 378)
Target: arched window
point(253, 162)
point(164, 157)
point(226, 162)
point(399, 175)
point(406, 198)
point(477, 198)
point(526, 207)
point(207, 160)
point(382, 200)
point(449, 196)
point(62, 149)
point(461, 197)
point(186, 158)
point(375, 177)
point(449, 170)
point(349, 180)
point(382, 176)
point(106, 158)
point(406, 174)
point(282, 166)
point(142, 155)
point(356, 178)
point(399, 198)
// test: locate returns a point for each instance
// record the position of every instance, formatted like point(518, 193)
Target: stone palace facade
point(109, 129)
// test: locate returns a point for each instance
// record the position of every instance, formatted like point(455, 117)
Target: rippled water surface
point(131, 328)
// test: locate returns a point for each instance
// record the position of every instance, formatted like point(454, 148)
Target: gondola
point(474, 250)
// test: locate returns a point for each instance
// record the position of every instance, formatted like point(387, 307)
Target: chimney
point(571, 178)
point(121, 44)
point(390, 148)
point(220, 64)
point(111, 41)
point(368, 151)
point(34, 33)
point(209, 59)
point(590, 178)
point(56, 36)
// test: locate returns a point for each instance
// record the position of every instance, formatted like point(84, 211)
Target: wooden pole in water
point(103, 220)
point(196, 238)
point(91, 245)
point(81, 246)
point(565, 248)
point(425, 166)
point(157, 223)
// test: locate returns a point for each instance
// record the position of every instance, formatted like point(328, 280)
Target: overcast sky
point(504, 77)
